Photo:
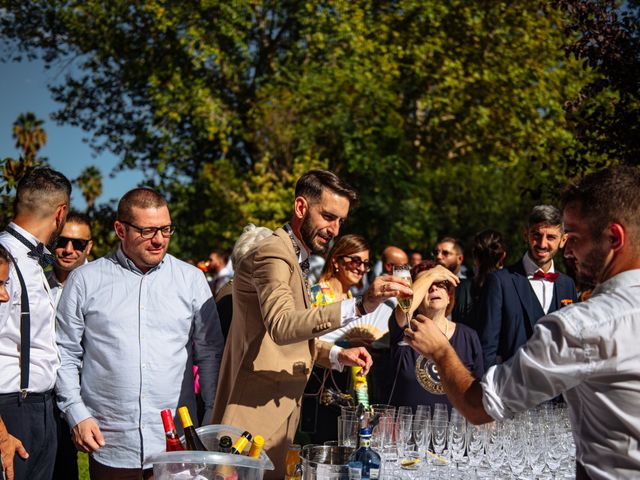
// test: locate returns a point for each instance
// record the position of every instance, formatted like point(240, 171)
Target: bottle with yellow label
point(241, 442)
point(360, 386)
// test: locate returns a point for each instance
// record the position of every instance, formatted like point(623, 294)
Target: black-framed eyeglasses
point(358, 262)
point(78, 243)
point(150, 232)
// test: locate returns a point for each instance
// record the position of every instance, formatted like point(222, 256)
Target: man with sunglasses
point(450, 254)
point(129, 325)
point(71, 250)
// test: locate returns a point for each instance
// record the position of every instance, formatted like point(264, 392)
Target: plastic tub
point(196, 465)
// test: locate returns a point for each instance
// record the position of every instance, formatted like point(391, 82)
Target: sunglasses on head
point(78, 243)
point(358, 262)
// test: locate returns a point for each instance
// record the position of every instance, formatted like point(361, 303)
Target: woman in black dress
point(416, 379)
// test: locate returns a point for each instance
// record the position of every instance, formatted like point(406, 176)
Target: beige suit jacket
point(272, 342)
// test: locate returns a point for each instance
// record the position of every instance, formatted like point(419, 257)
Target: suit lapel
point(297, 271)
point(528, 299)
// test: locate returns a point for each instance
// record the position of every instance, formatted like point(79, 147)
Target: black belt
point(9, 398)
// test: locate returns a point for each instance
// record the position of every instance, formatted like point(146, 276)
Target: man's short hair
point(311, 184)
point(41, 191)
point(80, 219)
point(223, 254)
point(141, 197)
point(609, 196)
point(457, 244)
point(545, 215)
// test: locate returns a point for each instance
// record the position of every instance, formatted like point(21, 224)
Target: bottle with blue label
point(367, 457)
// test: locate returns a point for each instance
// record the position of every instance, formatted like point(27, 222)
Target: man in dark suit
point(520, 294)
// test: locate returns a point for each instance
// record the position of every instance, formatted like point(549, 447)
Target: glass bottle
point(191, 437)
point(225, 443)
point(171, 436)
point(241, 442)
point(366, 456)
point(256, 446)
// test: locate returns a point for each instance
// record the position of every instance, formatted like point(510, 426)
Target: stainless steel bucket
point(323, 462)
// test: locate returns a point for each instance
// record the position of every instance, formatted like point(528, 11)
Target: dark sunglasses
point(78, 243)
point(358, 262)
point(445, 284)
point(445, 253)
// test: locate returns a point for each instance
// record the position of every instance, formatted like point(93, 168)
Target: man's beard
point(308, 233)
point(589, 273)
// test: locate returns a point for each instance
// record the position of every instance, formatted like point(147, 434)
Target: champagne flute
point(404, 272)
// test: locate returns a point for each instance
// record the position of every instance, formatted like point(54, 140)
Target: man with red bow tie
point(520, 294)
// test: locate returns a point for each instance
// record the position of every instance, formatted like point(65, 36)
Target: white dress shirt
point(541, 287)
point(589, 352)
point(44, 359)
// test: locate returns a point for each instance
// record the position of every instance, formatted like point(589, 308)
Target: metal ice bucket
point(324, 462)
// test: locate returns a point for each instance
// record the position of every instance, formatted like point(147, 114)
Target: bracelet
point(360, 305)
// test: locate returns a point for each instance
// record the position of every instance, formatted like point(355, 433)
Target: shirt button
point(144, 365)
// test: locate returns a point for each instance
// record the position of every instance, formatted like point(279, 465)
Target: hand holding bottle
point(87, 436)
point(356, 357)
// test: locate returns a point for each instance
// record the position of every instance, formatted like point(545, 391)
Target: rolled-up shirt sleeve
point(555, 359)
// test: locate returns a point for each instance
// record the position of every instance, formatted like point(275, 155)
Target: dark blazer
point(510, 309)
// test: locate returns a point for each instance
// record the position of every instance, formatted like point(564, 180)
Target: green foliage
point(446, 116)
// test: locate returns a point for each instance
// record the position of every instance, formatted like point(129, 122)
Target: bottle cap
point(258, 441)
point(167, 420)
point(185, 418)
point(365, 431)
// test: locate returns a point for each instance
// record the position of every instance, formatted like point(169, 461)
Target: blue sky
point(23, 88)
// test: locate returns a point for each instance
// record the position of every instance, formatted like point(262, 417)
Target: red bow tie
point(550, 276)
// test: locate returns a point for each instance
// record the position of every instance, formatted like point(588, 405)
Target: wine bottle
point(368, 458)
point(256, 446)
point(360, 386)
point(191, 437)
point(171, 436)
point(241, 442)
point(224, 445)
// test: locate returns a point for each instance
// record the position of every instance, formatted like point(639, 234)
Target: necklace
point(446, 328)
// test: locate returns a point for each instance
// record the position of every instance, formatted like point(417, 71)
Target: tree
point(606, 111)
point(446, 116)
point(30, 138)
point(29, 135)
point(90, 182)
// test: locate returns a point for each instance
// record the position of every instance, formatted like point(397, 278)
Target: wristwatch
point(360, 306)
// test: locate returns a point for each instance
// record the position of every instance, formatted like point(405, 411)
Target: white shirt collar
point(530, 266)
point(29, 236)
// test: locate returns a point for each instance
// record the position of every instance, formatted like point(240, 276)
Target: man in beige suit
point(272, 342)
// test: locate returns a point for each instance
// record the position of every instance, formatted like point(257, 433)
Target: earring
point(336, 270)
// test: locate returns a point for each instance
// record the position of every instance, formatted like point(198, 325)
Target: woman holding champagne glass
point(416, 378)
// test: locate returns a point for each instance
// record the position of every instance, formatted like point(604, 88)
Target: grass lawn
point(83, 466)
